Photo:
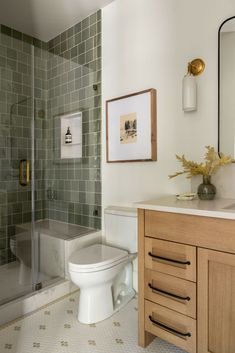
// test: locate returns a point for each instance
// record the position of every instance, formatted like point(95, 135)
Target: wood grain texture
point(216, 302)
point(173, 251)
point(173, 320)
point(211, 233)
point(144, 337)
point(172, 285)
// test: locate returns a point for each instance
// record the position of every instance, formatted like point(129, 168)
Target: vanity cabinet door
point(216, 302)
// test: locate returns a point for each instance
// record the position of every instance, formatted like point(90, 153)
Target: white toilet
point(104, 272)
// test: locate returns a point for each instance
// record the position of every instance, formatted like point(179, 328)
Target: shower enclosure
point(22, 153)
point(42, 86)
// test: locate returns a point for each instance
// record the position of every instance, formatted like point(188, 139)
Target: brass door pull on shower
point(24, 172)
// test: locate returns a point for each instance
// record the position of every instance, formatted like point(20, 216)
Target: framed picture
point(131, 125)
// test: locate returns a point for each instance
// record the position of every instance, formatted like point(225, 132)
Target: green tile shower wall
point(74, 84)
point(67, 74)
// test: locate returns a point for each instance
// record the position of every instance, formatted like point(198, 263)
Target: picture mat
point(142, 149)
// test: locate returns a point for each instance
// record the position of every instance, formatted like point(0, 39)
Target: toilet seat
point(96, 258)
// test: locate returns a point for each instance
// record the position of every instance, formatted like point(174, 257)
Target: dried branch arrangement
point(212, 163)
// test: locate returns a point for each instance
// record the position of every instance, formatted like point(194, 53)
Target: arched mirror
point(226, 140)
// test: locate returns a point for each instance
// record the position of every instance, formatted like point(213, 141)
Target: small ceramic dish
point(187, 196)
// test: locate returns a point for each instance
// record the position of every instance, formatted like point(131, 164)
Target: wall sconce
point(189, 94)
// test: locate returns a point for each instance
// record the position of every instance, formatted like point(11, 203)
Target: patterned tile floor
point(55, 329)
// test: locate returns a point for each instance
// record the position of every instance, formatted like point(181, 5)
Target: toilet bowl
point(104, 276)
point(104, 272)
point(20, 245)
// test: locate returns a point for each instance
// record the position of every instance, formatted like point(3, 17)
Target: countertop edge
point(186, 211)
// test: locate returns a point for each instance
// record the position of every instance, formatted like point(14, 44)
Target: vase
point(206, 190)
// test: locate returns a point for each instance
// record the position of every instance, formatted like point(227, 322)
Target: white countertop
point(215, 208)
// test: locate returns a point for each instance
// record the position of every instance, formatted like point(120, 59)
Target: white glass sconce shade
point(189, 87)
point(189, 93)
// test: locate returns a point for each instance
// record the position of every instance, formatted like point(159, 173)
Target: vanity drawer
point(171, 292)
point(171, 258)
point(171, 326)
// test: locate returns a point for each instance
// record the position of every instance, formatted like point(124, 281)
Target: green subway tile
point(81, 59)
point(71, 42)
point(81, 48)
point(56, 40)
point(93, 30)
point(63, 46)
point(63, 37)
point(98, 52)
point(78, 38)
point(78, 27)
point(99, 14)
point(89, 44)
point(86, 23)
point(70, 32)
point(89, 56)
point(93, 18)
point(99, 26)
point(6, 30)
point(85, 34)
point(11, 53)
point(6, 40)
point(27, 39)
point(74, 52)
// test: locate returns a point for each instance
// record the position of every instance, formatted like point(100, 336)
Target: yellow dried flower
point(212, 163)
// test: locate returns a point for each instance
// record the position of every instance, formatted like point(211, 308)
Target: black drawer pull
point(167, 293)
point(184, 334)
point(170, 260)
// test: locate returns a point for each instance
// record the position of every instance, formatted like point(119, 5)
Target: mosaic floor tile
point(56, 330)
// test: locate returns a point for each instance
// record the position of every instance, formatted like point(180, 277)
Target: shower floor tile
point(55, 329)
point(10, 286)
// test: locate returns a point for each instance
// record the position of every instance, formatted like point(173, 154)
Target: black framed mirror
point(226, 87)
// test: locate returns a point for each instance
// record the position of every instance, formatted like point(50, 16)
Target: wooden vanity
point(187, 275)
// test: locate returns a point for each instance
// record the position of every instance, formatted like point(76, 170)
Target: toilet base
point(97, 303)
point(100, 304)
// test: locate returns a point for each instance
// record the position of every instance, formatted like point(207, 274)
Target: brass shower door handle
point(24, 172)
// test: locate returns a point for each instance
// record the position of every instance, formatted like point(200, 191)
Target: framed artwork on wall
point(131, 125)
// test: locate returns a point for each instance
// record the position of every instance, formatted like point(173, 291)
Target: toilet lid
point(96, 256)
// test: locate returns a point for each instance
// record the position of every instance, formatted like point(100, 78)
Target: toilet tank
point(121, 227)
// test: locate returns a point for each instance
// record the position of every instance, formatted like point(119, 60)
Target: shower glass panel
point(16, 126)
point(26, 251)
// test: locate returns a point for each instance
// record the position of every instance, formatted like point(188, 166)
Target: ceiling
point(45, 19)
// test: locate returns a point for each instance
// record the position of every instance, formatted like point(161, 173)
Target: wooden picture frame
point(131, 127)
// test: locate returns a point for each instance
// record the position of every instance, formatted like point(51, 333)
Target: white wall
point(147, 43)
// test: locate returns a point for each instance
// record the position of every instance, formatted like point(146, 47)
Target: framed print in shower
point(131, 125)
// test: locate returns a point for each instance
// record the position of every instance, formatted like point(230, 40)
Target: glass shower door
point(18, 267)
